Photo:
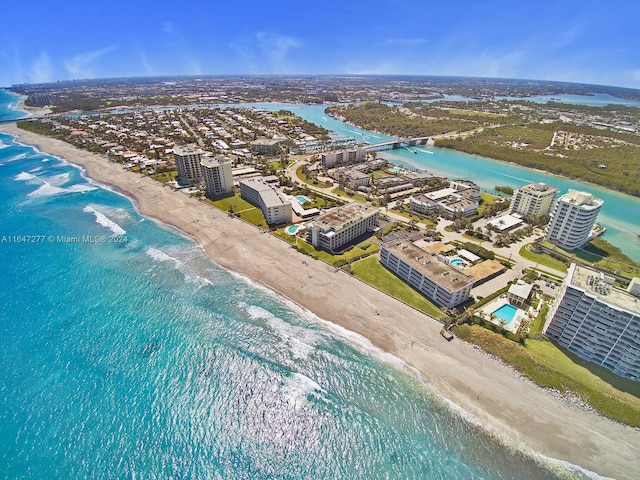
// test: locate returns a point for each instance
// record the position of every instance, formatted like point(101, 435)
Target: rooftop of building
point(423, 199)
point(215, 161)
point(601, 285)
point(539, 188)
point(428, 264)
point(266, 141)
point(582, 199)
point(269, 194)
point(521, 289)
point(341, 216)
point(191, 149)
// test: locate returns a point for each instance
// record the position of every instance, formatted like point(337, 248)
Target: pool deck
point(492, 306)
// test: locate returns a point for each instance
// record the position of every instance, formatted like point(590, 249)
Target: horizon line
point(312, 75)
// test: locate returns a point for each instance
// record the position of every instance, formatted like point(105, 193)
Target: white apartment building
point(450, 202)
point(573, 219)
point(188, 159)
point(217, 175)
point(340, 225)
point(533, 200)
point(445, 285)
point(274, 205)
point(598, 321)
point(344, 156)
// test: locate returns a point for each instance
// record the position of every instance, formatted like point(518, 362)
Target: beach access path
point(496, 396)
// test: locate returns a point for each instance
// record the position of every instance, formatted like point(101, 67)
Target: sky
point(585, 41)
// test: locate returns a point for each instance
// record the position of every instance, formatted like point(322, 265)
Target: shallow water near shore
point(129, 354)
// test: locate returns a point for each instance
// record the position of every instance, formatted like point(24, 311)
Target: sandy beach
point(492, 393)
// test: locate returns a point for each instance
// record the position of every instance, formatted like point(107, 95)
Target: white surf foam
point(82, 188)
point(297, 387)
point(47, 190)
point(58, 180)
point(160, 256)
point(300, 340)
point(105, 221)
point(25, 176)
point(16, 158)
point(189, 276)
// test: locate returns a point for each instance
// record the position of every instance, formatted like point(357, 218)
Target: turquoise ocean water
point(128, 354)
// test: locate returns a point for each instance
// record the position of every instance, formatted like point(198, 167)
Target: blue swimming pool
point(292, 229)
point(506, 312)
point(456, 262)
point(302, 199)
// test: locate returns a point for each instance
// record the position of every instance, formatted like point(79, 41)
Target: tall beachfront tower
point(533, 200)
point(573, 219)
point(188, 159)
point(598, 321)
point(217, 175)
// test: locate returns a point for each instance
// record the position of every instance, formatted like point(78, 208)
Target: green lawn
point(372, 272)
point(542, 259)
point(362, 249)
point(353, 196)
point(247, 212)
point(606, 257)
point(303, 177)
point(552, 367)
point(413, 216)
point(538, 323)
point(255, 217)
point(237, 202)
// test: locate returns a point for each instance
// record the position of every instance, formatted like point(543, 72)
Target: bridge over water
point(396, 144)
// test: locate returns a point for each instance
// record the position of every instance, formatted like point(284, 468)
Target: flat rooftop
point(538, 188)
point(485, 269)
point(428, 264)
point(183, 150)
point(269, 194)
point(601, 286)
point(341, 216)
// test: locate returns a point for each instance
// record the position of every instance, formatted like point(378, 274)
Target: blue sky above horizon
point(586, 41)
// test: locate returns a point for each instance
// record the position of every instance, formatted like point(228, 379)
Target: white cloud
point(184, 59)
point(41, 70)
point(247, 54)
point(82, 65)
point(276, 47)
point(146, 64)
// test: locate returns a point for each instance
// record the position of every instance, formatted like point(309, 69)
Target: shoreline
point(488, 391)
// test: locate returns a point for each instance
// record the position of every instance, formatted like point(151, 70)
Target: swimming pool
point(506, 312)
point(456, 262)
point(302, 199)
point(291, 230)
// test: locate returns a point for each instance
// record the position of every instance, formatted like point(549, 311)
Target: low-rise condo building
point(217, 175)
point(274, 205)
point(341, 225)
point(266, 146)
point(573, 219)
point(456, 201)
point(598, 321)
point(533, 200)
point(354, 155)
point(442, 283)
point(188, 160)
